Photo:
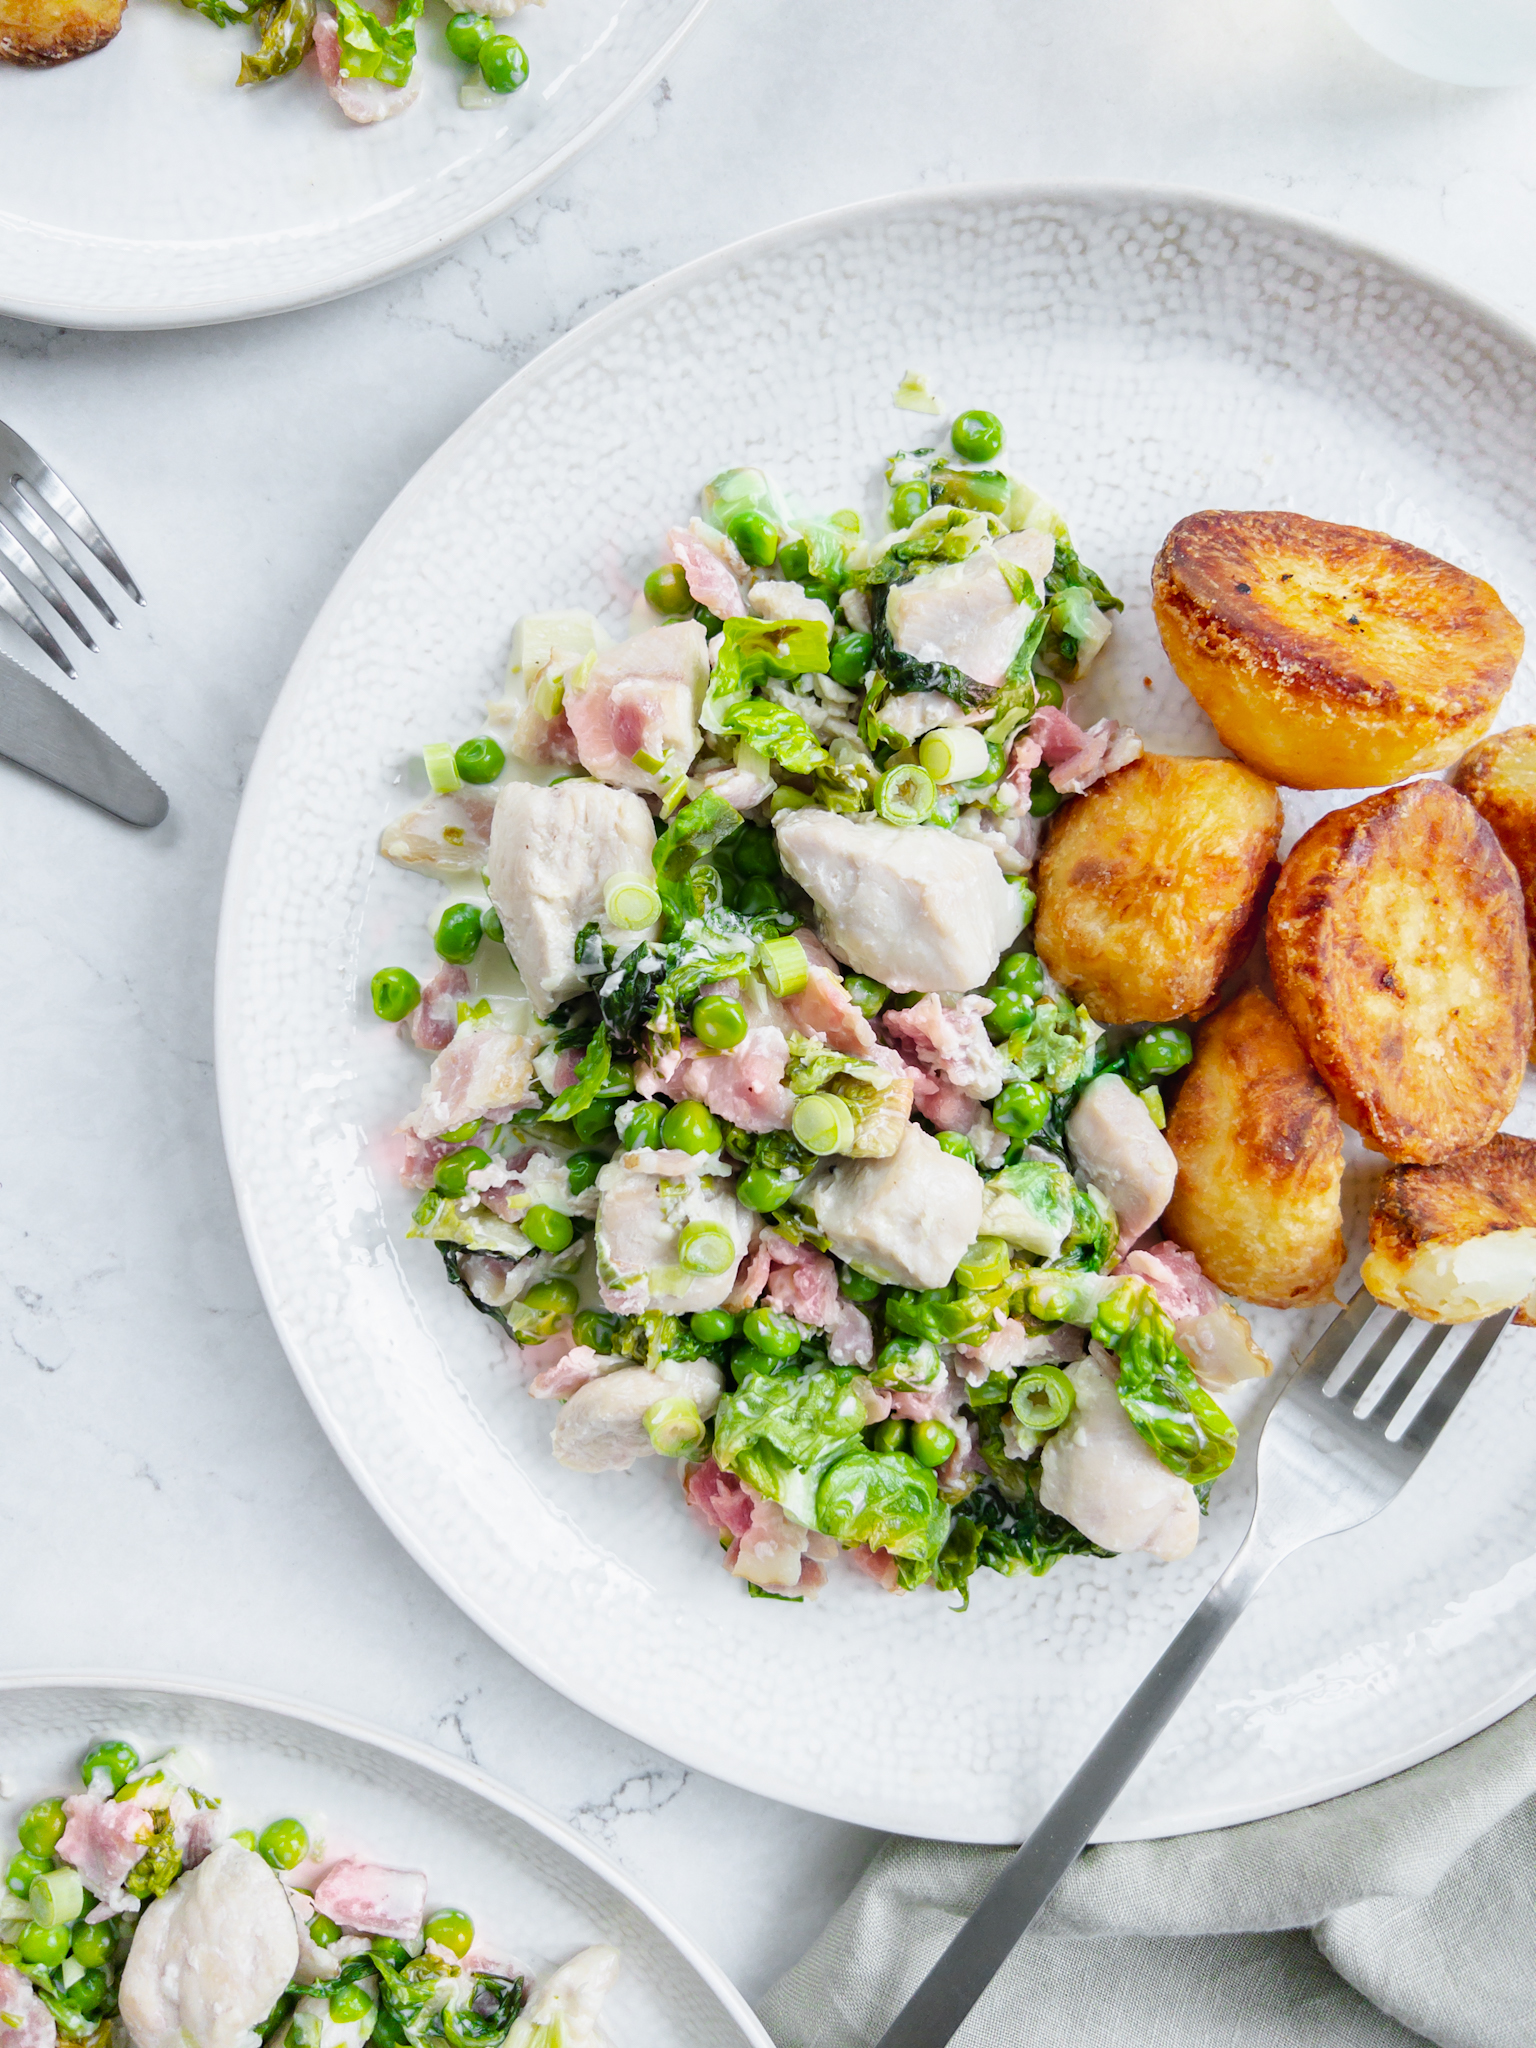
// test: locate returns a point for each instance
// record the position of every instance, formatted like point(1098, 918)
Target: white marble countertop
point(166, 1499)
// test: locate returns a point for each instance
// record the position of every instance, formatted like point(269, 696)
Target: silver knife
point(44, 732)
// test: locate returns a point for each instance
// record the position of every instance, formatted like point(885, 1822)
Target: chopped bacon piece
point(483, 1075)
point(751, 1278)
point(436, 1017)
point(850, 1340)
point(1175, 1277)
point(24, 2019)
point(103, 1839)
point(951, 1044)
point(823, 1008)
point(744, 1085)
point(1077, 758)
point(803, 1283)
point(711, 582)
point(368, 1898)
point(878, 1565)
point(562, 1372)
point(719, 1498)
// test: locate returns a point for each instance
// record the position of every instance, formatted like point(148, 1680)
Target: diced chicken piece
point(964, 614)
point(951, 1042)
point(1119, 1148)
point(602, 1427)
point(1099, 1473)
point(103, 1839)
point(640, 1218)
point(551, 852)
point(370, 1898)
point(915, 712)
point(1219, 1345)
point(569, 2003)
point(210, 1958)
point(911, 905)
point(642, 697)
point(26, 2021)
point(905, 1220)
point(787, 601)
point(447, 835)
point(484, 1075)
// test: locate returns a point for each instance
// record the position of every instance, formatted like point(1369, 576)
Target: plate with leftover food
point(187, 1865)
point(836, 1012)
point(352, 141)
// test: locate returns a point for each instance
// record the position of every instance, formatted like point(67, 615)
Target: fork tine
point(37, 570)
point(1381, 1350)
point(1414, 1370)
point(15, 507)
point(14, 600)
point(1440, 1406)
point(52, 489)
point(1338, 1336)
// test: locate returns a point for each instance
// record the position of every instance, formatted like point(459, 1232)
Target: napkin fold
point(1404, 1912)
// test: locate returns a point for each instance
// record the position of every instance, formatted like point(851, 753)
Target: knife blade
point(44, 732)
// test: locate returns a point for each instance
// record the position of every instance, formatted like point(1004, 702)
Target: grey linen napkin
point(1403, 1912)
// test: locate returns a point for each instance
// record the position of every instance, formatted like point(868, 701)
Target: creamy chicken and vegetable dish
point(131, 1910)
point(754, 1118)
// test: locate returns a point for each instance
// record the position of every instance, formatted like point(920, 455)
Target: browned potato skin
point(1261, 1161)
point(1151, 886)
point(1397, 946)
point(1418, 1207)
point(1499, 778)
point(1330, 657)
point(40, 32)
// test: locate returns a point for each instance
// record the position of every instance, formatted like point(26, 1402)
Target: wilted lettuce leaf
point(781, 734)
point(591, 1073)
point(1032, 1205)
point(286, 28)
point(885, 1500)
point(369, 48)
point(775, 1430)
point(755, 650)
point(1191, 1434)
point(1055, 1046)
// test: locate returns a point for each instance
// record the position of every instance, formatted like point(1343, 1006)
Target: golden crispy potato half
point(1261, 1161)
point(1455, 1242)
point(1151, 886)
point(1326, 656)
point(53, 31)
point(1499, 777)
point(1397, 946)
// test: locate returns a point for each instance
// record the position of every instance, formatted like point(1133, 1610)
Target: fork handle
point(935, 2011)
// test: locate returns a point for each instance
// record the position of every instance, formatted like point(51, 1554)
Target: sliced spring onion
point(549, 696)
point(905, 796)
point(787, 799)
point(706, 1248)
point(1043, 1397)
point(1152, 1096)
point(674, 1426)
point(823, 1124)
point(750, 762)
point(955, 753)
point(477, 94)
point(673, 795)
point(984, 1264)
point(653, 764)
point(56, 1898)
point(783, 966)
point(631, 902)
point(442, 769)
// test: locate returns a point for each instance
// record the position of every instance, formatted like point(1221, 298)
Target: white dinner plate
point(1152, 353)
point(140, 188)
point(535, 1891)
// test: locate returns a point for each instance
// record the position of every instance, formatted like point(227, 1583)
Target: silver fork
point(34, 560)
point(1336, 1448)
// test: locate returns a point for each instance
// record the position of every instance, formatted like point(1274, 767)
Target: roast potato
point(53, 31)
point(1261, 1160)
point(1499, 777)
point(1327, 656)
point(1397, 946)
point(1455, 1242)
point(1151, 886)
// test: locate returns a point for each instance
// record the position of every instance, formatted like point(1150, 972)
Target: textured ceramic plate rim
point(370, 1736)
point(194, 313)
point(725, 1763)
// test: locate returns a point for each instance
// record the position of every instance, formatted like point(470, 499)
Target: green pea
point(480, 759)
point(593, 1121)
point(22, 1869)
point(553, 1297)
point(349, 2002)
point(754, 851)
point(548, 1229)
point(758, 897)
point(118, 1758)
point(755, 536)
point(450, 1929)
point(582, 1169)
point(1047, 690)
point(888, 1436)
point(1022, 1108)
point(491, 925)
point(795, 560)
point(852, 658)
point(719, 1022)
point(284, 1844)
point(769, 1332)
point(746, 1359)
point(666, 590)
point(1164, 1051)
point(932, 1443)
point(977, 436)
point(1022, 971)
point(764, 1191)
point(708, 621)
point(47, 1945)
point(396, 992)
point(464, 35)
point(41, 1827)
point(908, 502)
point(597, 1329)
point(958, 1146)
point(451, 1175)
point(1010, 1009)
point(323, 1930)
point(1043, 799)
point(246, 1838)
point(689, 1127)
point(867, 995)
point(458, 933)
point(641, 1124)
point(87, 1991)
point(713, 1326)
point(503, 63)
point(395, 1953)
point(92, 1943)
point(857, 1286)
